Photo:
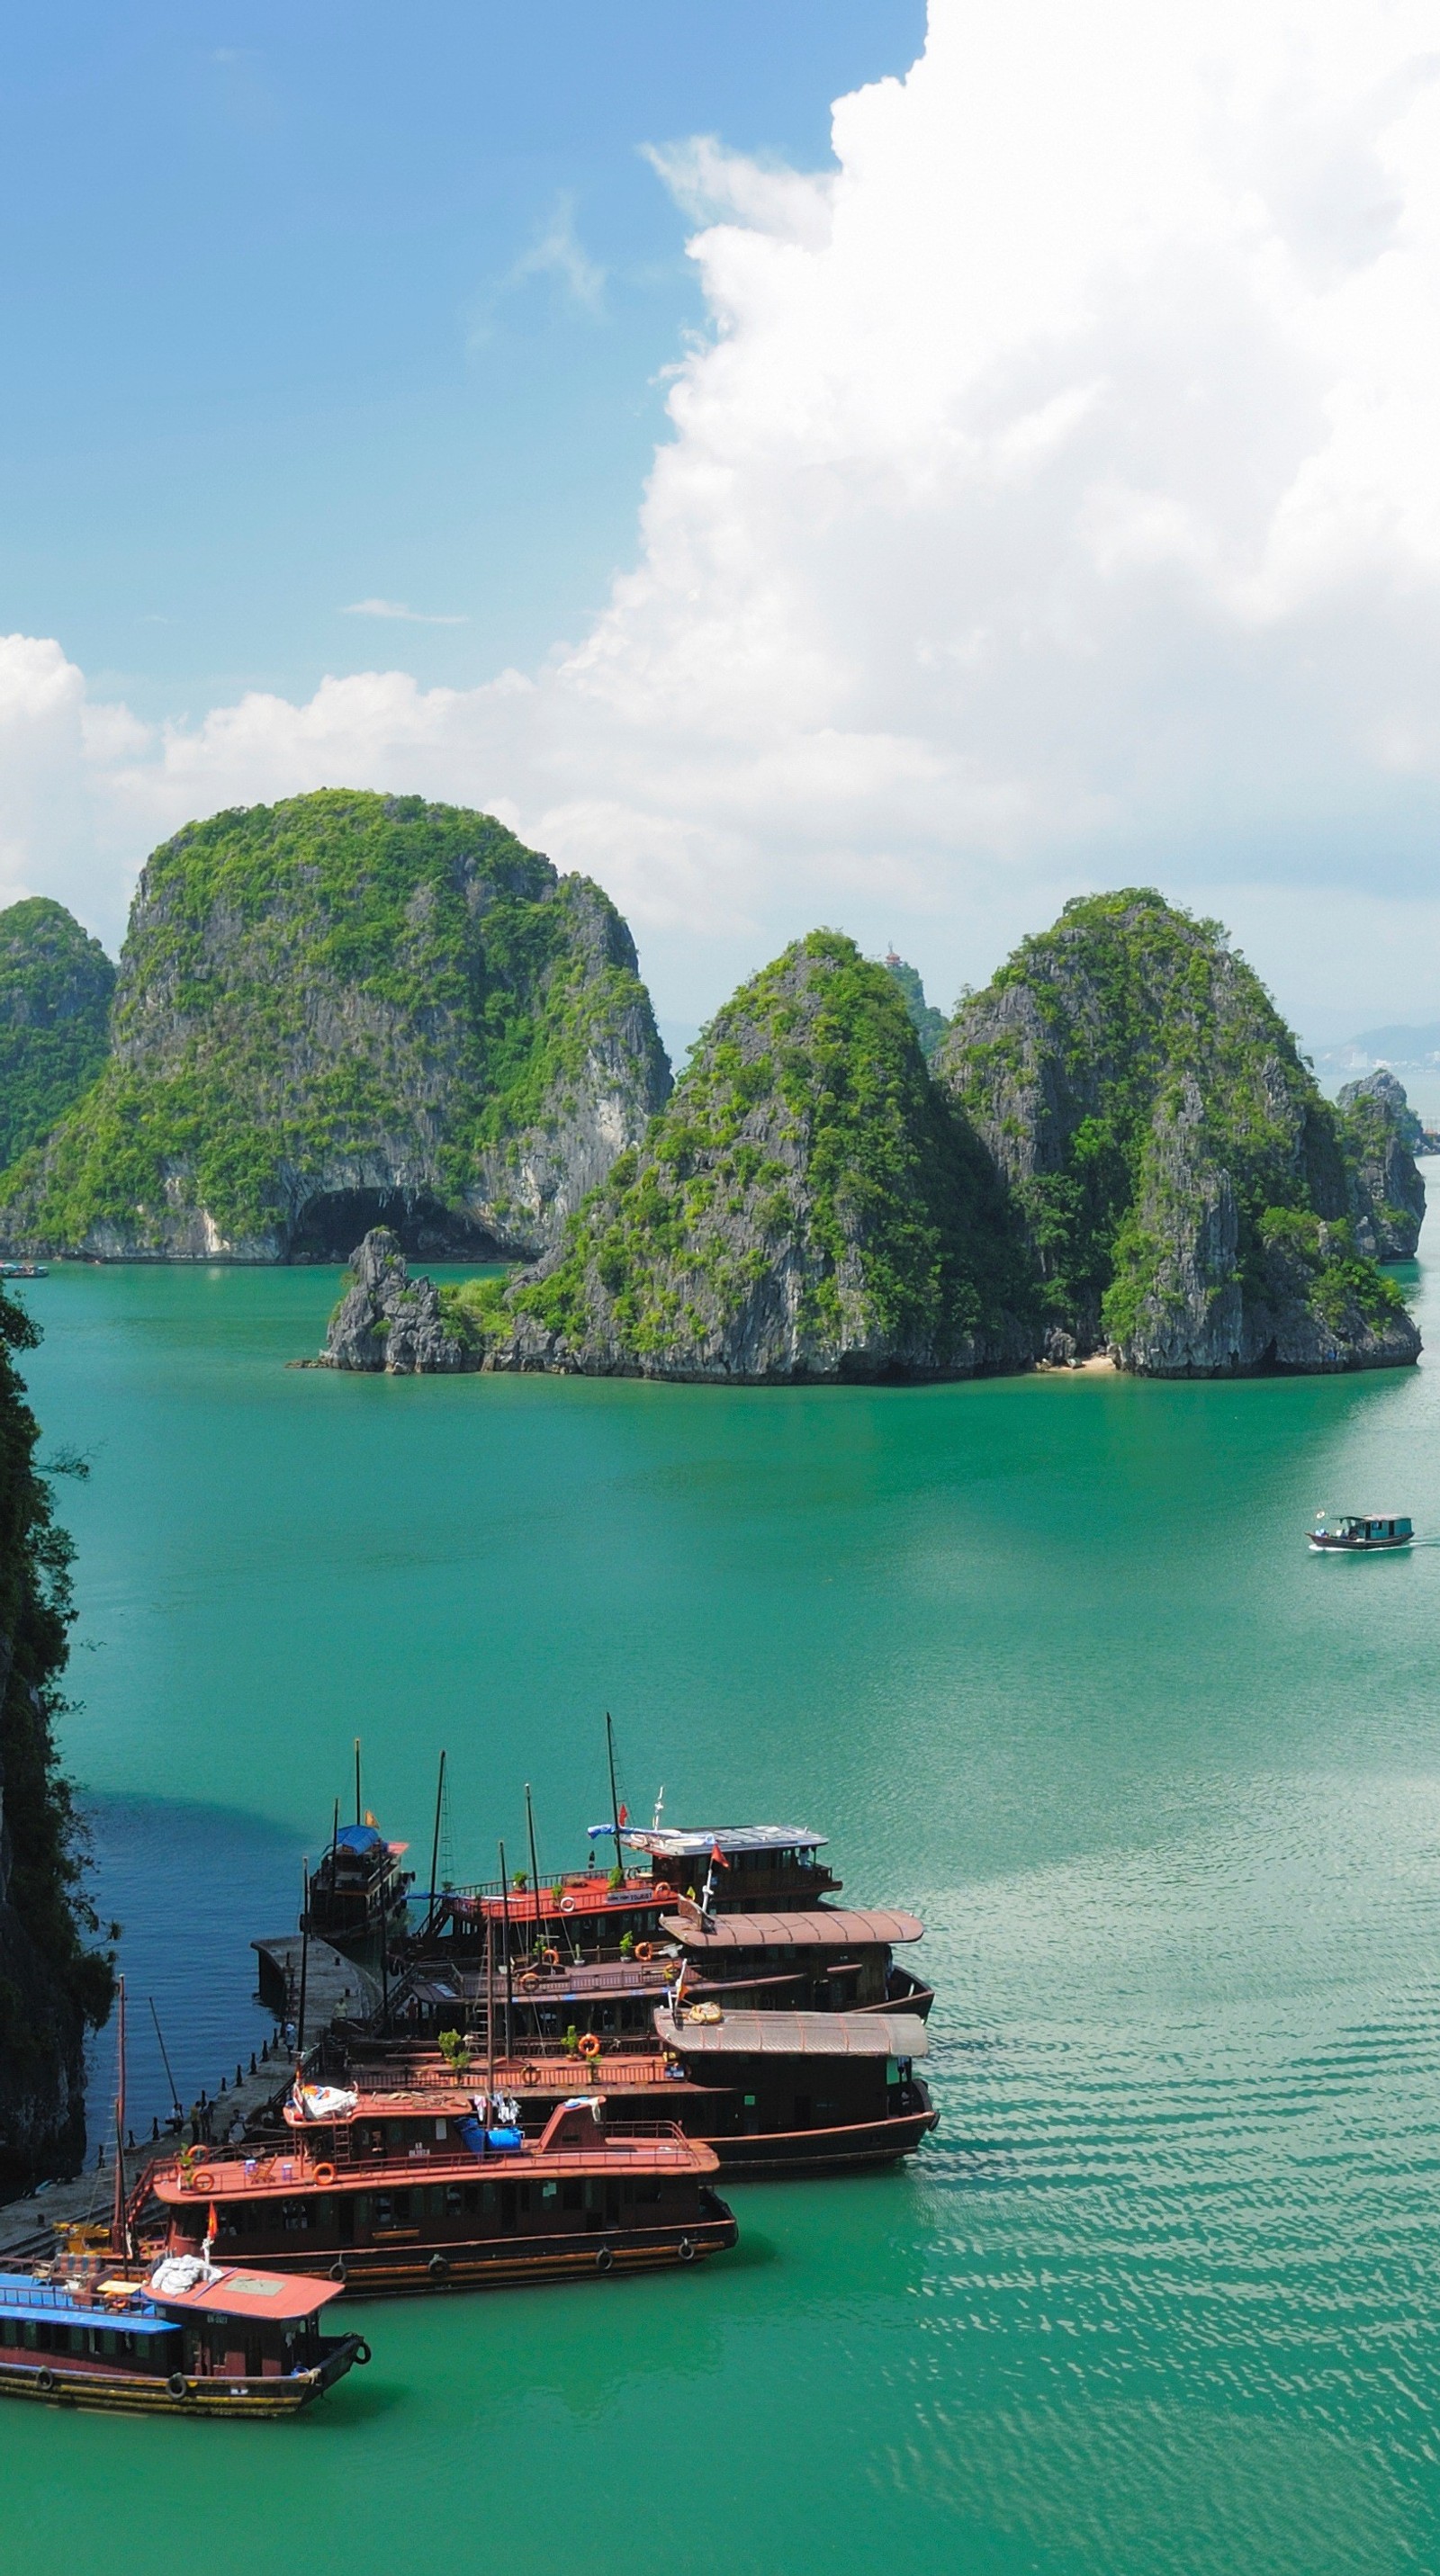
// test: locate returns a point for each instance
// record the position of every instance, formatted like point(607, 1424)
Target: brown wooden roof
point(796, 2034)
point(818, 1927)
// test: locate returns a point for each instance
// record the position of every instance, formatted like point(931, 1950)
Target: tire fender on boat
point(604, 2259)
point(337, 2268)
point(178, 2384)
point(362, 2353)
point(685, 2250)
point(438, 2267)
point(45, 2379)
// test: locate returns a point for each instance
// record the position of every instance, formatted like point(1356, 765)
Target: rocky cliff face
point(55, 988)
point(808, 1206)
point(1184, 1188)
point(1381, 1135)
point(388, 1321)
point(343, 1009)
point(52, 1986)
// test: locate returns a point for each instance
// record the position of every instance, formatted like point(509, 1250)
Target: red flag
point(717, 1854)
point(624, 1815)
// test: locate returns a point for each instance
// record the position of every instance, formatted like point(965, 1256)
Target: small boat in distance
point(23, 1270)
point(1359, 1532)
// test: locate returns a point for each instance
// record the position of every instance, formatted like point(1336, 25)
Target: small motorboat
point(1359, 1533)
point(22, 1270)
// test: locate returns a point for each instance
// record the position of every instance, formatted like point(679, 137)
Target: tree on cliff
point(54, 1984)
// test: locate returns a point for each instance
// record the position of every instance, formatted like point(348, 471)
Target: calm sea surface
point(1049, 1661)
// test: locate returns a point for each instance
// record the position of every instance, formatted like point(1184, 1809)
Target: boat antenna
point(359, 1819)
point(335, 1833)
point(659, 1810)
point(304, 1969)
point(435, 1845)
point(165, 2057)
point(509, 1994)
point(534, 1864)
point(614, 1800)
point(117, 2223)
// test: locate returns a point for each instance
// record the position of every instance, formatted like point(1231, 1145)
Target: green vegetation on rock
point(350, 998)
point(1184, 1186)
point(807, 1205)
point(53, 1983)
point(55, 988)
point(927, 1022)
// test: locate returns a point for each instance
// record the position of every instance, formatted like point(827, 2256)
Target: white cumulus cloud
point(1052, 501)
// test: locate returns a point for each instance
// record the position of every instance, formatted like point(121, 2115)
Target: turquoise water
point(1048, 1660)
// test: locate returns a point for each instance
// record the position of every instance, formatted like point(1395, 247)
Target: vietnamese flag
point(717, 1854)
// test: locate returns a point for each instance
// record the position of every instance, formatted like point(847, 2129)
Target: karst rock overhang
point(327, 1227)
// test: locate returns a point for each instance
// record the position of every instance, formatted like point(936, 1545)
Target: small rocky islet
point(352, 1013)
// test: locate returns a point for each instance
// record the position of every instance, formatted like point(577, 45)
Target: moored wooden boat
point(772, 2092)
point(377, 2202)
point(193, 2338)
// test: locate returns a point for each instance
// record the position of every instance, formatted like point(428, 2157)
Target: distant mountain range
point(1405, 1050)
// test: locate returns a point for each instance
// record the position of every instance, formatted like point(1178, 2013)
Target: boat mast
point(534, 1864)
point(117, 2222)
point(165, 2060)
point(614, 1800)
point(358, 1818)
point(490, 2012)
point(435, 1845)
point(509, 1992)
point(304, 1970)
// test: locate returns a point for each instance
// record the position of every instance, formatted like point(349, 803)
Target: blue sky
point(997, 463)
point(304, 306)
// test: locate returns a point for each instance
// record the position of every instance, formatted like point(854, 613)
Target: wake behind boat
point(1360, 1533)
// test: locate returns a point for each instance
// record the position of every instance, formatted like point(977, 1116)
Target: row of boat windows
point(407, 2206)
point(103, 2343)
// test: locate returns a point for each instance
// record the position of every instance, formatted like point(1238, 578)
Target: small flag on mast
point(717, 1854)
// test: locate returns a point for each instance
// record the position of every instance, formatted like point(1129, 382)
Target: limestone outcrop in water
point(343, 1009)
point(1186, 1192)
point(52, 1985)
point(388, 1321)
point(55, 988)
point(1381, 1136)
point(808, 1206)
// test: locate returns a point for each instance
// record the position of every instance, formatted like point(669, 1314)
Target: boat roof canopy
point(23, 2296)
point(665, 1842)
point(796, 2034)
point(823, 1927)
point(279, 2296)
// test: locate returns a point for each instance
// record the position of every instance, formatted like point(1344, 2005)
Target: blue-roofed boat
point(1361, 1533)
point(192, 2338)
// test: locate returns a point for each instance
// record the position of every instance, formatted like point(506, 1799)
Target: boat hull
point(119, 2392)
point(378, 2271)
point(791, 2152)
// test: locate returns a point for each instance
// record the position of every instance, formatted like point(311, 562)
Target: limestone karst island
point(351, 1012)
